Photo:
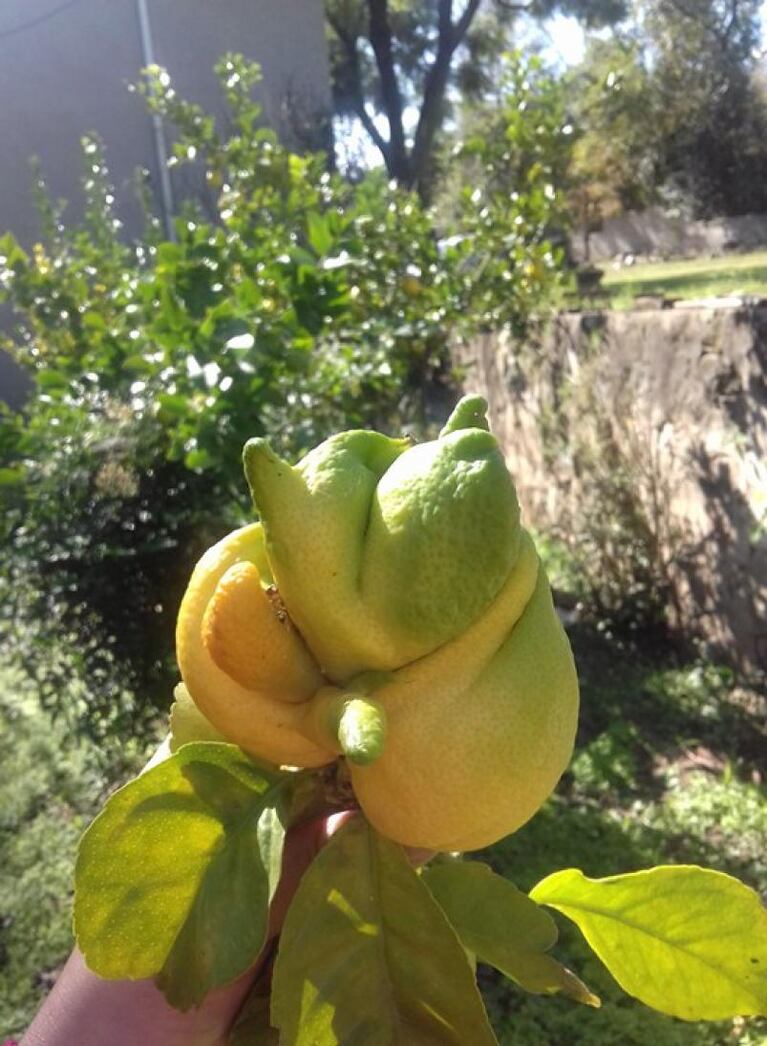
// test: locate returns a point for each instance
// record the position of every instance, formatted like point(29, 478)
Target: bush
point(302, 304)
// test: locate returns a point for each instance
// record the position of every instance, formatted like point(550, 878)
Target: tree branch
point(462, 26)
point(349, 44)
point(515, 8)
point(435, 84)
point(720, 31)
point(381, 42)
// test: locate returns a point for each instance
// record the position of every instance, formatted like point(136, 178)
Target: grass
point(665, 771)
point(688, 279)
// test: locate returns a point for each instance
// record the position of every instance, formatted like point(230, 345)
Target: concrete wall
point(645, 435)
point(64, 71)
point(652, 233)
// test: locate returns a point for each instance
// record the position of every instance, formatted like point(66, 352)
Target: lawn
point(666, 770)
point(691, 278)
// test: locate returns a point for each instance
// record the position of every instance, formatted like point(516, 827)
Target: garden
point(294, 301)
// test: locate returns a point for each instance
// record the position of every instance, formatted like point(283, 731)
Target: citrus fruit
point(390, 610)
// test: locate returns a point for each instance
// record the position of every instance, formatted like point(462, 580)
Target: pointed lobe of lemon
point(257, 719)
point(248, 633)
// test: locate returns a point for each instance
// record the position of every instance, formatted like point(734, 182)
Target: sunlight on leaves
point(367, 955)
point(504, 928)
point(174, 877)
point(687, 941)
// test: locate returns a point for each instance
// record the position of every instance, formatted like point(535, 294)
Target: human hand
point(89, 1011)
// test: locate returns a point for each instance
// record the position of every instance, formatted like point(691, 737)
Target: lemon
point(389, 609)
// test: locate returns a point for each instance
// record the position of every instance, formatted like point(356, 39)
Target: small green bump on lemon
point(362, 730)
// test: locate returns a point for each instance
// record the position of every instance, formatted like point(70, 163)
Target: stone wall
point(648, 429)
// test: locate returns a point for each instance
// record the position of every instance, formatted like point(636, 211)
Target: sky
point(567, 39)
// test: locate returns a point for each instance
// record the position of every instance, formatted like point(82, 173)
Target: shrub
point(291, 303)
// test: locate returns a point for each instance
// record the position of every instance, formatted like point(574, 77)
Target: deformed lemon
point(391, 610)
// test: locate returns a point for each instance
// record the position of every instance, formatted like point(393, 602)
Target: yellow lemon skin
point(245, 667)
point(249, 635)
point(479, 732)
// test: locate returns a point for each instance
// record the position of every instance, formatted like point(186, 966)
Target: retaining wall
point(675, 402)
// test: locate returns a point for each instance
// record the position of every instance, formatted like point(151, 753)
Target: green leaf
point(175, 876)
point(51, 379)
point(9, 476)
point(687, 941)
point(176, 404)
point(367, 955)
point(93, 321)
point(197, 459)
point(503, 927)
point(318, 232)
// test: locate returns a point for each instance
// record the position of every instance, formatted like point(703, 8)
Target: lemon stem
point(357, 725)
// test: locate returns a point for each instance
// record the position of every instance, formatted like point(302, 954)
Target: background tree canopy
point(408, 60)
point(666, 105)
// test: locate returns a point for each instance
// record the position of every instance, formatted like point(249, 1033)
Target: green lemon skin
point(383, 551)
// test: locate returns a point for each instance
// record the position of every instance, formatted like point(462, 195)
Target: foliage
point(50, 788)
point(713, 118)
point(351, 966)
point(671, 112)
point(199, 838)
point(615, 157)
point(103, 533)
point(522, 130)
point(506, 168)
point(405, 57)
point(660, 932)
point(666, 108)
point(300, 305)
point(497, 923)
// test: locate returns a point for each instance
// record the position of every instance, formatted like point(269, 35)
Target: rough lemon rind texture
point(264, 726)
point(381, 551)
point(441, 539)
point(480, 731)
